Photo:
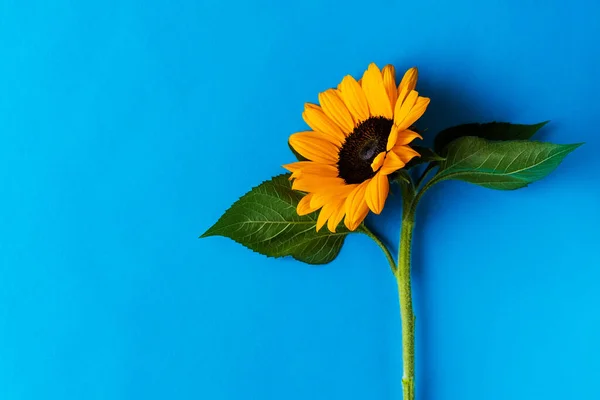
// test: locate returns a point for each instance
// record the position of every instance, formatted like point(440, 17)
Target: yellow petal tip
point(378, 161)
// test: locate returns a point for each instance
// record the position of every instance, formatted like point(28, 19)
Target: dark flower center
point(367, 140)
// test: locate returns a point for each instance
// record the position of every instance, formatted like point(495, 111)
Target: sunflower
point(360, 135)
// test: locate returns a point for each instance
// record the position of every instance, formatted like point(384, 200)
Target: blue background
point(128, 127)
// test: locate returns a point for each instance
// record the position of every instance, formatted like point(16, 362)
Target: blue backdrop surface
point(127, 127)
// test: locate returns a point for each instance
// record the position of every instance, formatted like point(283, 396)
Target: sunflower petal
point(406, 153)
point(316, 183)
point(356, 206)
point(392, 138)
point(372, 84)
point(326, 212)
point(392, 164)
point(312, 168)
point(403, 108)
point(337, 216)
point(314, 117)
point(354, 98)
point(416, 111)
point(408, 83)
point(389, 81)
point(315, 147)
point(377, 192)
point(378, 161)
point(304, 207)
point(407, 136)
point(331, 194)
point(359, 216)
point(297, 166)
point(334, 108)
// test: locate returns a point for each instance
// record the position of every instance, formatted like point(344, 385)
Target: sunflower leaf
point(490, 131)
point(504, 165)
point(265, 220)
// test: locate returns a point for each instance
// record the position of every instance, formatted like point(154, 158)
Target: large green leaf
point(501, 165)
point(265, 220)
point(491, 131)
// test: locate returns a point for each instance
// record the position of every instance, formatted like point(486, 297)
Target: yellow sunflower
point(360, 135)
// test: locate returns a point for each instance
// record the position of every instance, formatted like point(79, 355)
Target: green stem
point(406, 309)
point(421, 179)
point(402, 274)
point(383, 247)
point(412, 206)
